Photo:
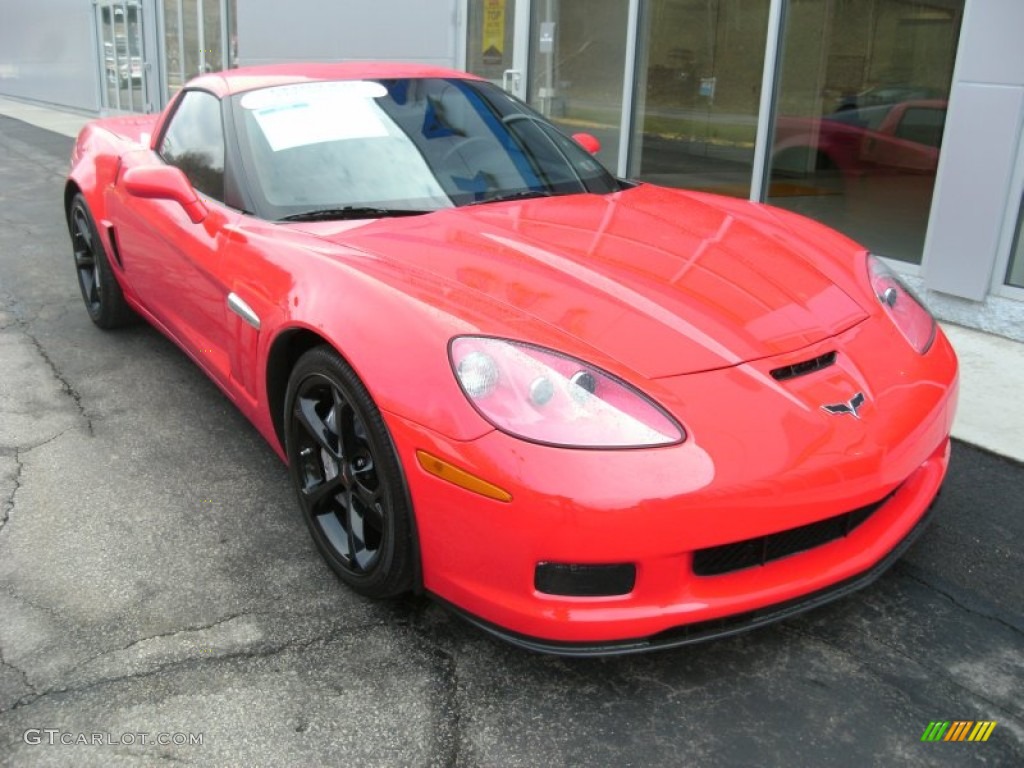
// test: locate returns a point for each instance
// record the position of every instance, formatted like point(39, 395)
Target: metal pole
point(521, 46)
point(160, 19)
point(117, 56)
point(769, 92)
point(201, 33)
point(97, 17)
point(181, 43)
point(225, 36)
point(629, 86)
point(549, 64)
point(128, 47)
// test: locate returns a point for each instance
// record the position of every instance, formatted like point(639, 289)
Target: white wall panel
point(993, 39)
point(341, 30)
point(979, 152)
point(48, 52)
point(969, 207)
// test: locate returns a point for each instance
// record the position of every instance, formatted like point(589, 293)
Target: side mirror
point(164, 182)
point(588, 141)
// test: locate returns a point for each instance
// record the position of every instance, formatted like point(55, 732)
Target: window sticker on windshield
point(312, 113)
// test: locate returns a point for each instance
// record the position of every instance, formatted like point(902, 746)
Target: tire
point(101, 292)
point(347, 476)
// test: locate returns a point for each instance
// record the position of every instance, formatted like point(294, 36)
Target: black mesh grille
point(726, 558)
point(805, 367)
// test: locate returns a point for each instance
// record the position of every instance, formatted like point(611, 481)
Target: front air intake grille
point(805, 367)
point(727, 558)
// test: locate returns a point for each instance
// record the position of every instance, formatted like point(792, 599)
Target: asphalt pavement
point(156, 578)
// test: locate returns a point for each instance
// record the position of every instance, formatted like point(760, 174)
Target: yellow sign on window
point(494, 32)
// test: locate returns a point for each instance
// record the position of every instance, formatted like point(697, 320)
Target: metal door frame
point(145, 14)
point(163, 79)
point(520, 44)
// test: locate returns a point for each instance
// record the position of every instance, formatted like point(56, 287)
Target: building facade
point(898, 122)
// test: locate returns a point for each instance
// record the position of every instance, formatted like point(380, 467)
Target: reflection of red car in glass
point(887, 95)
point(901, 138)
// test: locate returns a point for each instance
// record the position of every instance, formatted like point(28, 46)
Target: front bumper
point(697, 632)
point(764, 459)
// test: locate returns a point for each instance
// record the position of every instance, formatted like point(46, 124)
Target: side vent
point(113, 246)
point(804, 367)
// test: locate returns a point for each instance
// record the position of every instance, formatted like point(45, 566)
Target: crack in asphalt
point(24, 450)
point(19, 324)
point(6, 589)
point(447, 747)
point(173, 633)
point(19, 671)
point(161, 636)
point(69, 390)
point(908, 571)
point(448, 708)
point(864, 662)
point(449, 730)
point(9, 503)
point(937, 671)
point(268, 651)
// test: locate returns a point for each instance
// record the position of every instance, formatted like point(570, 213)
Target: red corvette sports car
point(590, 415)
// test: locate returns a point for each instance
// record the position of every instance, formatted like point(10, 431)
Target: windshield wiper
point(350, 212)
point(522, 194)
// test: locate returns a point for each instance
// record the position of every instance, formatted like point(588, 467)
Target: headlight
point(909, 314)
point(546, 397)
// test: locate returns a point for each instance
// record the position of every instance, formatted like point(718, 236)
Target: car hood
point(665, 282)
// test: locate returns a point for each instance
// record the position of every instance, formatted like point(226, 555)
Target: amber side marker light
point(460, 477)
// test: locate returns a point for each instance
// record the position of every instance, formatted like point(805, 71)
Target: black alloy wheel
point(347, 476)
point(101, 292)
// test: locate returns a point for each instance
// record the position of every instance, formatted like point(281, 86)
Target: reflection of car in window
point(891, 93)
point(903, 137)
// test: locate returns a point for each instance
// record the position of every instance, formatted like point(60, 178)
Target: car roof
point(250, 78)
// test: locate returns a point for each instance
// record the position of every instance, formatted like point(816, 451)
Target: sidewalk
point(56, 120)
point(991, 367)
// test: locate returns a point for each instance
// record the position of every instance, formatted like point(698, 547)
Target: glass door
point(578, 61)
point(198, 37)
point(861, 114)
point(119, 25)
point(565, 58)
point(699, 75)
point(497, 44)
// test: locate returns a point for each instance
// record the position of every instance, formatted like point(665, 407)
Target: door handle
point(238, 305)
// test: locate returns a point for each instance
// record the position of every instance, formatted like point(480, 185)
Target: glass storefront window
point(699, 72)
point(1015, 271)
point(174, 49)
point(195, 35)
point(861, 111)
point(213, 46)
point(577, 65)
point(120, 27)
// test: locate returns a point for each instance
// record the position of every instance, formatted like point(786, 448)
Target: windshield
point(385, 147)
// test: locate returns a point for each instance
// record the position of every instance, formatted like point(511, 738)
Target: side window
point(922, 125)
point(194, 142)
